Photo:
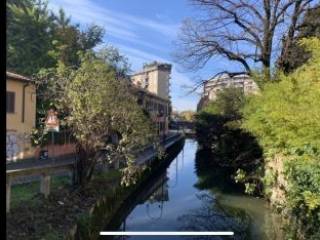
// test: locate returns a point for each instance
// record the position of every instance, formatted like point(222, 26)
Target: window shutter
point(10, 102)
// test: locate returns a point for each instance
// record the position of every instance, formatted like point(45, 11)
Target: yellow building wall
point(18, 132)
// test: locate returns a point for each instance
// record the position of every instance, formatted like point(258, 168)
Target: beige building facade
point(155, 78)
point(158, 108)
point(212, 86)
point(20, 116)
point(152, 88)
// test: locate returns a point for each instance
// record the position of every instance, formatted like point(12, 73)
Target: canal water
point(192, 196)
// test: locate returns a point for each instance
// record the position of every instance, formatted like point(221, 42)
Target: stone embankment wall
point(277, 190)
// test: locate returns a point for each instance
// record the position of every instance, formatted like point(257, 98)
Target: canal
point(192, 196)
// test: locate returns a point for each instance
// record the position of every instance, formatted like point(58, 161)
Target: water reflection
point(211, 216)
point(259, 221)
point(194, 195)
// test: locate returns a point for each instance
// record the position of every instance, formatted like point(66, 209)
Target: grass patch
point(108, 176)
point(27, 191)
point(24, 192)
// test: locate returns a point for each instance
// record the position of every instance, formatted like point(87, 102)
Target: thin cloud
point(119, 24)
point(127, 28)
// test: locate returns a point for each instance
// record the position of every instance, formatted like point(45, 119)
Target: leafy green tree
point(37, 38)
point(297, 56)
point(218, 130)
point(111, 56)
point(187, 115)
point(286, 114)
point(70, 41)
point(29, 36)
point(285, 119)
point(104, 108)
point(228, 102)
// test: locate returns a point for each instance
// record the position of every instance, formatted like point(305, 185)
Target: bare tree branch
point(240, 31)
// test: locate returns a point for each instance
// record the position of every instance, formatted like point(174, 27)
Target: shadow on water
point(212, 176)
point(192, 194)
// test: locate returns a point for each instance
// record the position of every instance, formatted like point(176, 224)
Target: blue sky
point(144, 31)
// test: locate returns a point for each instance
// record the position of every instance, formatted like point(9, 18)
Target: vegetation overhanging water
point(192, 196)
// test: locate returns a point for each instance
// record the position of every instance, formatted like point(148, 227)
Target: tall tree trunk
point(289, 38)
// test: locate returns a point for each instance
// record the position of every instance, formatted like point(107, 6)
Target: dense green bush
point(285, 118)
point(218, 130)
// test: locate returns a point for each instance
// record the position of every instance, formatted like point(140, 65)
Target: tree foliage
point(297, 55)
point(285, 115)
point(38, 38)
point(285, 118)
point(29, 36)
point(187, 115)
point(218, 130)
point(104, 107)
point(228, 102)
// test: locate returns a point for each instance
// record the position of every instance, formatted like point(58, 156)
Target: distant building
point(158, 108)
point(154, 78)
point(151, 86)
point(20, 116)
point(212, 86)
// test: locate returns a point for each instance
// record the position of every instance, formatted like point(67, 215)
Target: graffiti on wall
point(16, 145)
point(12, 147)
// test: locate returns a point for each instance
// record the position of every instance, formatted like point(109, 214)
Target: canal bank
point(106, 210)
point(190, 195)
point(69, 213)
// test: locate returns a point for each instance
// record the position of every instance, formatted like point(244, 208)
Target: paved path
point(144, 155)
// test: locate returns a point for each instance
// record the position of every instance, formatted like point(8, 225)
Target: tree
point(229, 102)
point(241, 31)
point(104, 108)
point(218, 130)
point(69, 40)
point(295, 55)
point(187, 115)
point(111, 56)
point(29, 36)
point(285, 119)
point(37, 38)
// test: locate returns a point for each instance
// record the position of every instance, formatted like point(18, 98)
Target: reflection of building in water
point(161, 194)
point(158, 192)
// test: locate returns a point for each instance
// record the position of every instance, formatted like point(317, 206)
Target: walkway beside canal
point(42, 170)
point(43, 218)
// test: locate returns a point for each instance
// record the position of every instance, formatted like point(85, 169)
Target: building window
point(10, 102)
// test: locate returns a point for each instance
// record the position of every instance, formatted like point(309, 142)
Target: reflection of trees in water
point(213, 217)
point(211, 175)
point(217, 180)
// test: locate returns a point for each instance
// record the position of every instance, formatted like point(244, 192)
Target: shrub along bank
point(285, 119)
point(283, 123)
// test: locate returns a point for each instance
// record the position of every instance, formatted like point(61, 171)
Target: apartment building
point(155, 78)
point(152, 88)
point(212, 86)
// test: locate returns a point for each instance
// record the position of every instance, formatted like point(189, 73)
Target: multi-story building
point(155, 78)
point(151, 86)
point(212, 86)
point(20, 116)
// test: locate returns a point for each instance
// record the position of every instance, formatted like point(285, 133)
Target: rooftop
point(16, 76)
point(148, 67)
